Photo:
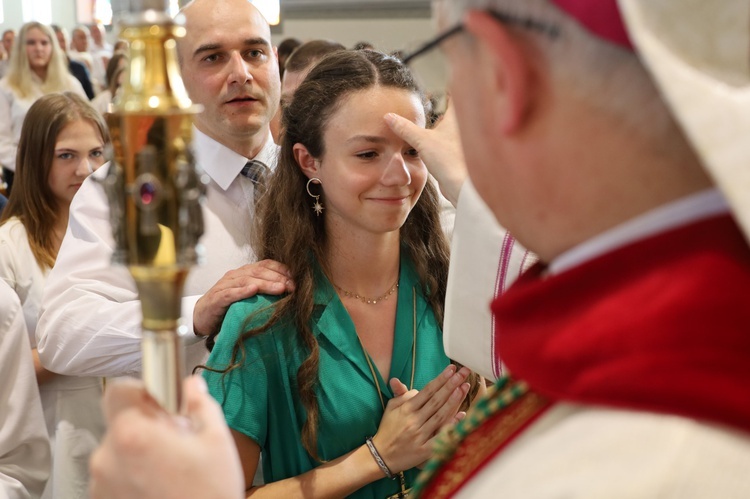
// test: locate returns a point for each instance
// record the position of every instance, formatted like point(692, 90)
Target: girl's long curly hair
point(288, 231)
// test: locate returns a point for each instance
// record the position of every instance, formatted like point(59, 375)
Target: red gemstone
point(148, 192)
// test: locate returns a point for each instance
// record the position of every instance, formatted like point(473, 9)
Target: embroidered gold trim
point(480, 444)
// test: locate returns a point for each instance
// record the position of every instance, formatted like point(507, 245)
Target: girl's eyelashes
point(367, 155)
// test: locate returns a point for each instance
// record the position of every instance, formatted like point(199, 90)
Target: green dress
point(260, 399)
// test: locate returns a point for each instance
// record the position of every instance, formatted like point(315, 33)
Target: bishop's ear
point(507, 69)
point(307, 163)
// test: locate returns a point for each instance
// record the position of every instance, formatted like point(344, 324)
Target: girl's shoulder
point(242, 317)
point(253, 305)
point(13, 231)
point(250, 313)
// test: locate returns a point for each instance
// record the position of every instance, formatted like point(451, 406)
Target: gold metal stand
point(154, 189)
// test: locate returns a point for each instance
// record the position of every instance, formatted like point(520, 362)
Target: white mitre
point(698, 52)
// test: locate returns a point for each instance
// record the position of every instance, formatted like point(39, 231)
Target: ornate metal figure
point(154, 187)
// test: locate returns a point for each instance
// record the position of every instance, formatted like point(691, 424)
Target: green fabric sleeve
point(243, 392)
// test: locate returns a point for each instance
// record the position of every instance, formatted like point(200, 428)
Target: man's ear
point(509, 69)
point(307, 163)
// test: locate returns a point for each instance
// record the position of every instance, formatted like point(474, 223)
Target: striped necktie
point(256, 171)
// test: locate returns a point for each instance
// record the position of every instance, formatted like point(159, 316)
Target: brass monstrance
point(154, 189)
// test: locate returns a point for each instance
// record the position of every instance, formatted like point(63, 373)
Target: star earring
point(317, 206)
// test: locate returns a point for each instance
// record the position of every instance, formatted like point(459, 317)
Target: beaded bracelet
point(376, 456)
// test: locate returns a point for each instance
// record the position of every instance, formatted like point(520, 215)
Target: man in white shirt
point(90, 319)
point(24, 444)
point(79, 51)
point(98, 36)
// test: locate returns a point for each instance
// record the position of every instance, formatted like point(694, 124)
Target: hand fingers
point(97, 464)
point(447, 412)
point(207, 420)
point(398, 401)
point(275, 266)
point(133, 417)
point(264, 277)
point(441, 386)
point(406, 130)
point(256, 273)
point(217, 303)
point(200, 408)
point(398, 387)
point(445, 396)
point(242, 283)
point(269, 270)
point(125, 394)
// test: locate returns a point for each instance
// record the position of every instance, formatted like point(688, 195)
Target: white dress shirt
point(96, 66)
point(100, 59)
point(24, 445)
point(13, 110)
point(90, 323)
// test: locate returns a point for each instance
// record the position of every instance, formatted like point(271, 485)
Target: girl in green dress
point(342, 384)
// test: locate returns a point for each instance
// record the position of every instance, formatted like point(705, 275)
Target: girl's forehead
point(370, 104)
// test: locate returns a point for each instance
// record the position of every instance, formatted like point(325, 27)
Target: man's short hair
point(309, 53)
point(287, 46)
point(605, 75)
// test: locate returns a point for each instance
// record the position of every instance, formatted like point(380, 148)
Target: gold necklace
point(404, 492)
point(369, 301)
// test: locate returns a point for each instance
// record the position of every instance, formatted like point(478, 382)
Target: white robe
point(24, 445)
point(479, 244)
point(72, 405)
point(584, 452)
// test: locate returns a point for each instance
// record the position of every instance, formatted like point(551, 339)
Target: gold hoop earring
point(317, 206)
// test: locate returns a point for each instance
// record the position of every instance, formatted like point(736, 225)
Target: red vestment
point(660, 325)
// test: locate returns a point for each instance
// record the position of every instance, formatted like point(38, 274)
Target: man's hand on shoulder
point(264, 277)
